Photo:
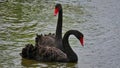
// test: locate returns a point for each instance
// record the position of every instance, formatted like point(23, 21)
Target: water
point(98, 20)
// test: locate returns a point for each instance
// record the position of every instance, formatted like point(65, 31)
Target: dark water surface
point(98, 20)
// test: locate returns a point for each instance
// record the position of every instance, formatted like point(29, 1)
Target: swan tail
point(28, 52)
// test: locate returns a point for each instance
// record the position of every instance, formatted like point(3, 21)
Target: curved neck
point(72, 57)
point(59, 31)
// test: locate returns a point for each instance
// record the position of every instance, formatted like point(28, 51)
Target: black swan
point(47, 53)
point(52, 39)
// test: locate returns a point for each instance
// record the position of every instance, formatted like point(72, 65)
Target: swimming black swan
point(52, 39)
point(47, 53)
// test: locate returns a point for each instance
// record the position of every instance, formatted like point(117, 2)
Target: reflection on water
point(20, 20)
point(32, 63)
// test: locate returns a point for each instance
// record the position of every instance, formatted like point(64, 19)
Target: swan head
point(58, 7)
point(79, 36)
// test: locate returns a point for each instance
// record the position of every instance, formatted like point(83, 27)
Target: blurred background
point(98, 20)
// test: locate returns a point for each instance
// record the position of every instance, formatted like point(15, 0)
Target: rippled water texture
point(98, 20)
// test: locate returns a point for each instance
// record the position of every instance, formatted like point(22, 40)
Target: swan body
point(41, 53)
point(53, 54)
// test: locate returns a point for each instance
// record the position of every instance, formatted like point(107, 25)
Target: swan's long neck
point(72, 57)
point(59, 31)
point(59, 26)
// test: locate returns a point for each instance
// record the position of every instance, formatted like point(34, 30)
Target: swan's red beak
point(82, 41)
point(56, 11)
